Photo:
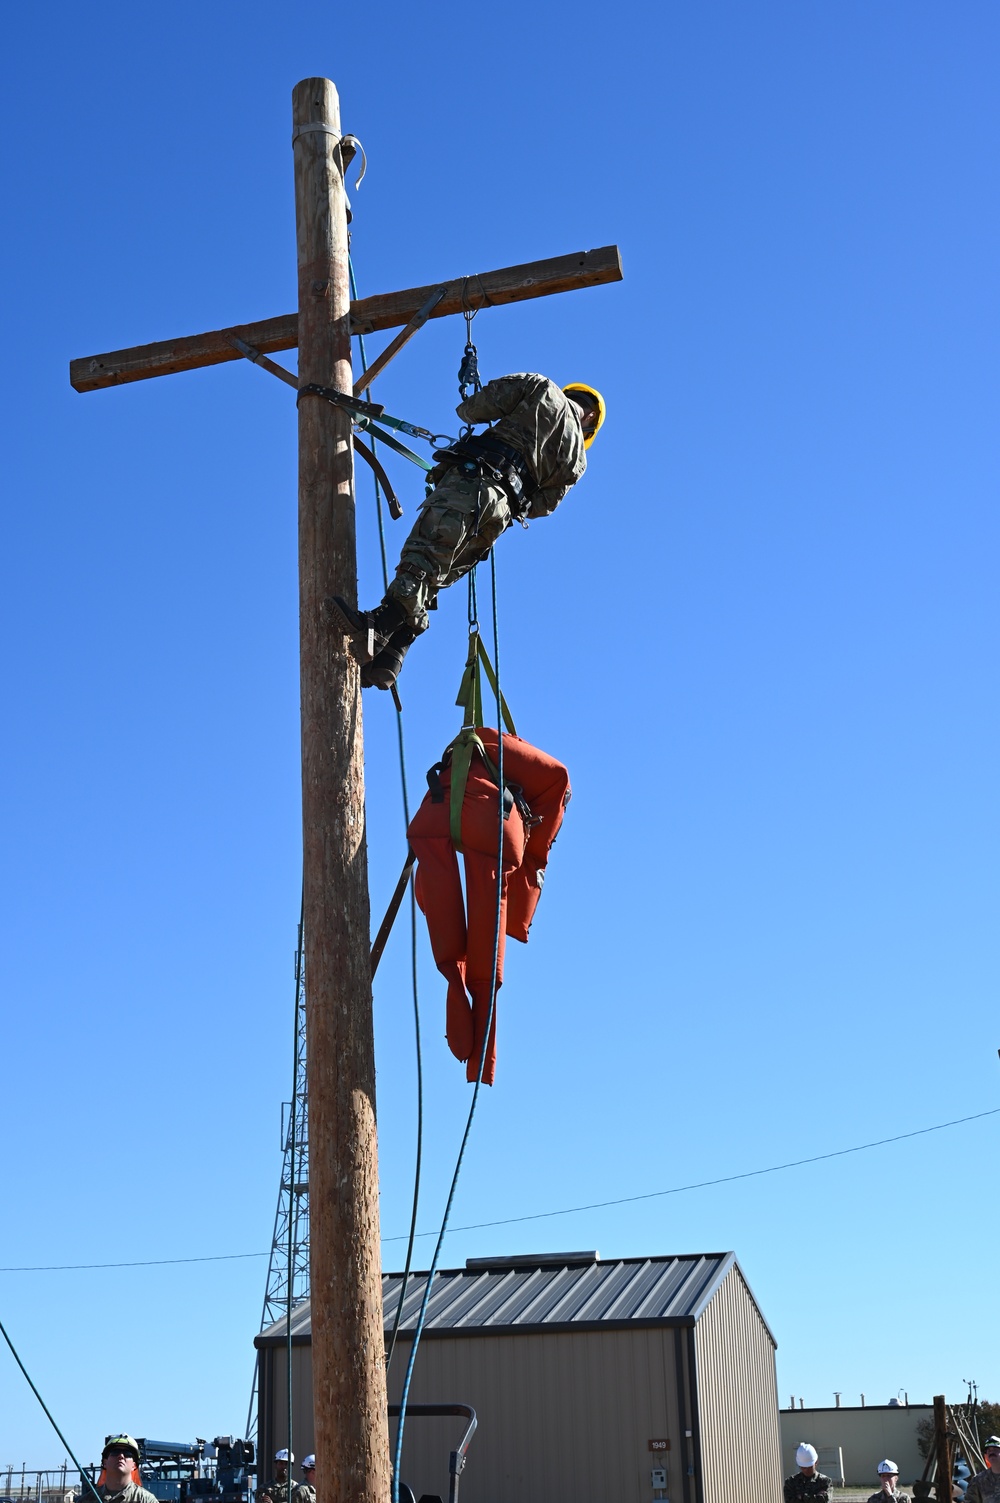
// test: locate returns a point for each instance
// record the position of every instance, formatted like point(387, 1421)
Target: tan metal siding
point(274, 1403)
point(563, 1418)
point(737, 1397)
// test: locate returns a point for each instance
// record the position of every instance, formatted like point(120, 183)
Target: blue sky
point(761, 634)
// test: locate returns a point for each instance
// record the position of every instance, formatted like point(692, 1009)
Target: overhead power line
point(703, 1184)
point(594, 1205)
point(144, 1263)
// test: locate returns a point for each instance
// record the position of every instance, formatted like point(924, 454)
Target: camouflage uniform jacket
point(983, 1488)
point(130, 1493)
point(280, 1492)
point(538, 420)
point(802, 1489)
point(883, 1497)
point(304, 1493)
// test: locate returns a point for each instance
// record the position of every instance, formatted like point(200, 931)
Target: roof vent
point(533, 1260)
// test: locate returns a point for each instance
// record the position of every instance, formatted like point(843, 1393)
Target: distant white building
point(862, 1435)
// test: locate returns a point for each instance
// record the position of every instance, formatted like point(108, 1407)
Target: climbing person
point(984, 1487)
point(808, 1483)
point(888, 1476)
point(119, 1481)
point(305, 1492)
point(518, 470)
point(279, 1488)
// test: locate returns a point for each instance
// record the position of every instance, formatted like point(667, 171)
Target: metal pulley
point(468, 371)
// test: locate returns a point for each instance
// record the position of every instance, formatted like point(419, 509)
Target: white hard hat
point(887, 1466)
point(806, 1455)
point(309, 1465)
point(283, 1455)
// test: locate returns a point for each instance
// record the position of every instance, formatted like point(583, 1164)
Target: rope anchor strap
point(363, 412)
point(470, 690)
point(468, 742)
point(367, 414)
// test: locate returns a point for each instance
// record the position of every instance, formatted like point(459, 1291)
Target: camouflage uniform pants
point(455, 530)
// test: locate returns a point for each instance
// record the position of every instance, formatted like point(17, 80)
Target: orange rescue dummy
point(463, 945)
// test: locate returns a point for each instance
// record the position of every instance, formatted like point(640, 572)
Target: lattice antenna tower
point(289, 1258)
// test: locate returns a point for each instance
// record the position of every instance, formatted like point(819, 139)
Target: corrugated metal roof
point(547, 1293)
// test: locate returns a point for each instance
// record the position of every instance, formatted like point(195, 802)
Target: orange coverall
point(463, 945)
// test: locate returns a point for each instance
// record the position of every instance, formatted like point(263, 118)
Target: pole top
point(315, 99)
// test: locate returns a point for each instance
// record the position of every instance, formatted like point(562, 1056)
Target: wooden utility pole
point(351, 1427)
point(942, 1449)
point(351, 1424)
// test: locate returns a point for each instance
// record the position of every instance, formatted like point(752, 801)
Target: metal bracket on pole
point(315, 127)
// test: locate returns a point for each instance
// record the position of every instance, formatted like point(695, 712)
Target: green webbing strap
point(508, 718)
point(363, 413)
point(470, 692)
point(462, 748)
point(467, 742)
point(393, 443)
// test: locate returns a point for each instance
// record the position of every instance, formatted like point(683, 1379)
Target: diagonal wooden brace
point(404, 336)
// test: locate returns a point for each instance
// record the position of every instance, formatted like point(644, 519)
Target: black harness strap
point(368, 455)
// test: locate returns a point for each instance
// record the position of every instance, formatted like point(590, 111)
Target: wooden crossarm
point(386, 310)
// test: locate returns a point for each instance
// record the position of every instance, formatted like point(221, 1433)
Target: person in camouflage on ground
point(888, 1476)
point(984, 1487)
point(278, 1490)
point(808, 1484)
point(305, 1492)
point(119, 1479)
point(518, 470)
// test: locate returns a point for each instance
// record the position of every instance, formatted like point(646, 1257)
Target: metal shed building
point(630, 1381)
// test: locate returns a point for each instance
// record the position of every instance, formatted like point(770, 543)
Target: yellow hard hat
point(602, 410)
point(121, 1443)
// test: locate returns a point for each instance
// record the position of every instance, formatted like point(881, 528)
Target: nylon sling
point(468, 742)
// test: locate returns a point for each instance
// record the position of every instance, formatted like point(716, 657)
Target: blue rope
point(378, 488)
point(416, 1009)
point(84, 1476)
point(293, 1204)
point(422, 1317)
point(380, 514)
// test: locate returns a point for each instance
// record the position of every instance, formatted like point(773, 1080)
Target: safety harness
point(468, 743)
point(483, 453)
